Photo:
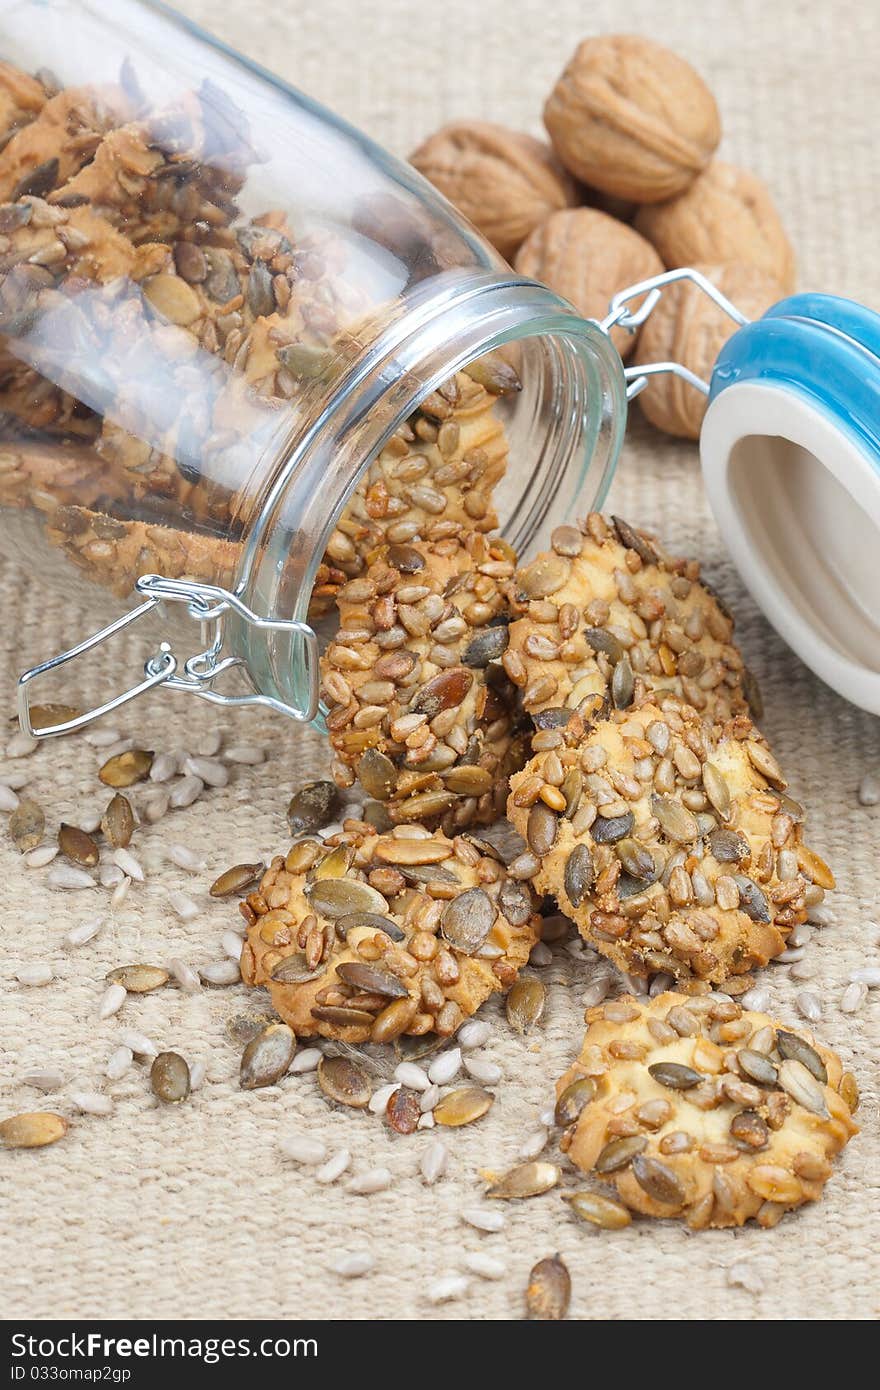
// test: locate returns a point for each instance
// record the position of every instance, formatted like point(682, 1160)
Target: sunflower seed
point(463, 1106)
point(305, 1061)
point(32, 1130)
point(8, 798)
point(38, 974)
point(599, 1211)
point(110, 875)
point(853, 998)
point(374, 1180)
point(119, 1062)
point(809, 1005)
point(130, 866)
point(486, 1266)
point(267, 1057)
point(186, 977)
point(207, 770)
point(41, 857)
point(138, 1043)
point(489, 1219)
point(344, 1081)
point(757, 999)
point(802, 1086)
point(302, 1148)
point(185, 859)
point(868, 975)
point(676, 822)
point(232, 943)
point(220, 972)
point(102, 738)
point(112, 1001)
point(353, 1266)
point(170, 1078)
point(445, 1067)
point(164, 767)
point(525, 1180)
point(434, 1160)
point(744, 1276)
point(426, 1120)
point(548, 1293)
point(540, 955)
point(534, 1144)
point(334, 1167)
point(66, 876)
point(380, 1098)
point(138, 979)
point(428, 1099)
point(412, 1076)
point(596, 991)
point(757, 1067)
point(21, 745)
point(791, 1047)
point(474, 1033)
point(184, 793)
point(248, 754)
point(91, 1102)
point(450, 1286)
point(26, 825)
point(183, 906)
point(869, 790)
point(485, 1072)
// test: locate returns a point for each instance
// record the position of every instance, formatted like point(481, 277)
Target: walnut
point(687, 327)
point(726, 215)
point(503, 181)
point(587, 256)
point(632, 119)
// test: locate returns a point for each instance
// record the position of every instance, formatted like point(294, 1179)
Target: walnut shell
point(632, 119)
point(587, 256)
point(503, 181)
point(687, 327)
point(727, 214)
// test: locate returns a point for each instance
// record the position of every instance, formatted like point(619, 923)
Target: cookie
point(419, 708)
point(371, 936)
point(670, 841)
point(607, 610)
point(433, 480)
point(52, 148)
point(22, 98)
point(698, 1109)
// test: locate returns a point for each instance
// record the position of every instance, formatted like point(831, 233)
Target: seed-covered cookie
point(433, 480)
point(419, 707)
point(51, 149)
point(367, 936)
point(699, 1109)
point(670, 841)
point(606, 609)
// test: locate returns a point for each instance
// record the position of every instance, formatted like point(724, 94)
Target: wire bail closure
point(206, 604)
point(619, 316)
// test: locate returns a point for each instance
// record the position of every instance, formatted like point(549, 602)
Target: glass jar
point(241, 344)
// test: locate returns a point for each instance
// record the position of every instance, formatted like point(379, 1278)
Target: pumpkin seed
point(622, 684)
point(602, 641)
point(336, 864)
point(541, 829)
point(632, 540)
point(77, 845)
point(599, 1211)
point(607, 830)
point(525, 1180)
point(579, 874)
point(789, 1045)
point(267, 1056)
point(658, 1180)
point(373, 921)
point(124, 769)
point(236, 880)
point(462, 1106)
point(728, 846)
point(45, 716)
point(344, 1081)
point(26, 825)
point(525, 1005)
point(468, 780)
point(403, 1111)
point(674, 1075)
point(294, 970)
point(243, 1028)
point(117, 822)
point(489, 644)
point(169, 1078)
point(341, 1016)
point(32, 1130)
point(756, 1066)
point(548, 1293)
point(467, 920)
point(138, 979)
point(372, 979)
point(617, 1153)
point(717, 790)
point(544, 575)
point(573, 1099)
point(751, 900)
point(339, 897)
point(312, 807)
point(443, 692)
point(428, 873)
point(849, 1091)
point(377, 774)
point(638, 861)
point(676, 822)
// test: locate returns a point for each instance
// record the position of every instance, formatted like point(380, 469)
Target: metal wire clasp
point(619, 316)
point(206, 604)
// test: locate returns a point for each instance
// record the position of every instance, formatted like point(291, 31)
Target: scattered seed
point(849, 1091)
point(110, 875)
point(8, 798)
point(525, 1180)
point(434, 1161)
point(485, 1072)
point(375, 1180)
point(91, 1102)
point(869, 976)
point(869, 790)
point(548, 1292)
point(26, 825)
point(102, 738)
point(486, 1266)
point(138, 979)
point(380, 1098)
point(232, 944)
point(208, 770)
point(745, 1276)
point(485, 1219)
point(43, 1079)
point(353, 1266)
point(183, 906)
point(344, 1081)
point(186, 977)
point(463, 1106)
point(302, 1148)
point(112, 1001)
point(757, 999)
point(853, 998)
point(66, 876)
point(41, 857)
point(184, 793)
point(809, 1005)
point(39, 974)
point(21, 745)
point(448, 1287)
point(533, 1144)
point(599, 1211)
point(220, 972)
point(170, 1078)
point(402, 1110)
point(124, 769)
point(412, 1076)
point(445, 1067)
point(334, 1167)
point(313, 807)
point(525, 1005)
point(246, 753)
point(475, 1033)
point(117, 823)
point(185, 858)
point(428, 1099)
point(32, 1130)
point(119, 1062)
point(139, 1043)
point(267, 1057)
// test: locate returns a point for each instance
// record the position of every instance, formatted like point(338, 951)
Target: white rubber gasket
point(798, 504)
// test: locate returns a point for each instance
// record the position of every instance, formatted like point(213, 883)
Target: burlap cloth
point(192, 1211)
